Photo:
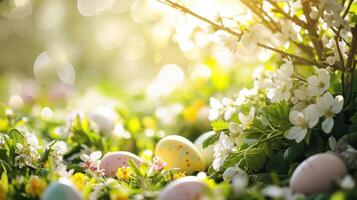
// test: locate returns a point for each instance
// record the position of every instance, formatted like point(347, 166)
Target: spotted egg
point(188, 188)
point(61, 190)
point(179, 152)
point(317, 173)
point(112, 161)
point(207, 153)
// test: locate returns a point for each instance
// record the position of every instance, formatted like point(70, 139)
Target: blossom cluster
point(309, 98)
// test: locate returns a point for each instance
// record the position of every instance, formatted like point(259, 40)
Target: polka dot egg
point(112, 161)
point(178, 152)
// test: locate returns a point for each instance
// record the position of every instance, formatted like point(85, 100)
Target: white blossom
point(246, 120)
point(318, 84)
point(226, 108)
point(347, 182)
point(277, 192)
point(280, 91)
point(302, 121)
point(239, 183)
point(222, 149)
point(336, 55)
point(254, 35)
point(27, 153)
point(226, 40)
point(289, 29)
point(328, 107)
point(281, 83)
point(230, 172)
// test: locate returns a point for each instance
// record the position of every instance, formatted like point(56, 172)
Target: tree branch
point(230, 31)
point(294, 19)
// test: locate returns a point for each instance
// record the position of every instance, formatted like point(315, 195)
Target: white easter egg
point(61, 190)
point(179, 152)
point(317, 173)
point(105, 118)
point(207, 152)
point(188, 188)
point(112, 161)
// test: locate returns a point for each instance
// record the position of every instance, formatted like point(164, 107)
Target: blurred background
point(141, 58)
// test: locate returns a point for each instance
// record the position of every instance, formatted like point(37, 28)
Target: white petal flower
point(215, 103)
point(347, 183)
point(222, 149)
point(302, 121)
point(289, 29)
point(246, 120)
point(318, 84)
point(226, 40)
point(329, 107)
point(255, 34)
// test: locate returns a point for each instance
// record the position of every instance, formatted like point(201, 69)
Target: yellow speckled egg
point(179, 152)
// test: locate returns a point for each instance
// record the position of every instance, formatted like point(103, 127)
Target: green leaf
point(210, 140)
point(354, 118)
point(315, 146)
point(277, 163)
point(219, 125)
point(255, 159)
point(278, 115)
point(16, 135)
point(134, 167)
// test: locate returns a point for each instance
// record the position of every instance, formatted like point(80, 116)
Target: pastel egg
point(112, 161)
point(61, 190)
point(207, 153)
point(179, 152)
point(188, 188)
point(317, 173)
point(104, 118)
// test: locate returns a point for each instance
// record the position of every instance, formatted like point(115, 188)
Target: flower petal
point(95, 155)
point(214, 103)
point(301, 136)
point(296, 117)
point(293, 132)
point(327, 125)
point(337, 104)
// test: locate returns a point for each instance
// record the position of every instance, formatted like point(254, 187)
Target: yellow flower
point(118, 195)
point(177, 175)
point(79, 180)
point(191, 113)
point(124, 173)
point(35, 186)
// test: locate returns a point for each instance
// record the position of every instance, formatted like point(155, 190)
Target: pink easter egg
point(188, 188)
point(112, 161)
point(317, 173)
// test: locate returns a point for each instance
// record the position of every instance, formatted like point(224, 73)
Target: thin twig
point(341, 61)
point(311, 28)
point(230, 31)
point(294, 19)
point(347, 9)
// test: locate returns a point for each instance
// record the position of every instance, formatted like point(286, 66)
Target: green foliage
point(210, 140)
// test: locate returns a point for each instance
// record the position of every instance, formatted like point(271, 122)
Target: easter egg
point(207, 153)
point(112, 161)
point(179, 152)
point(188, 188)
point(104, 118)
point(61, 190)
point(317, 173)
